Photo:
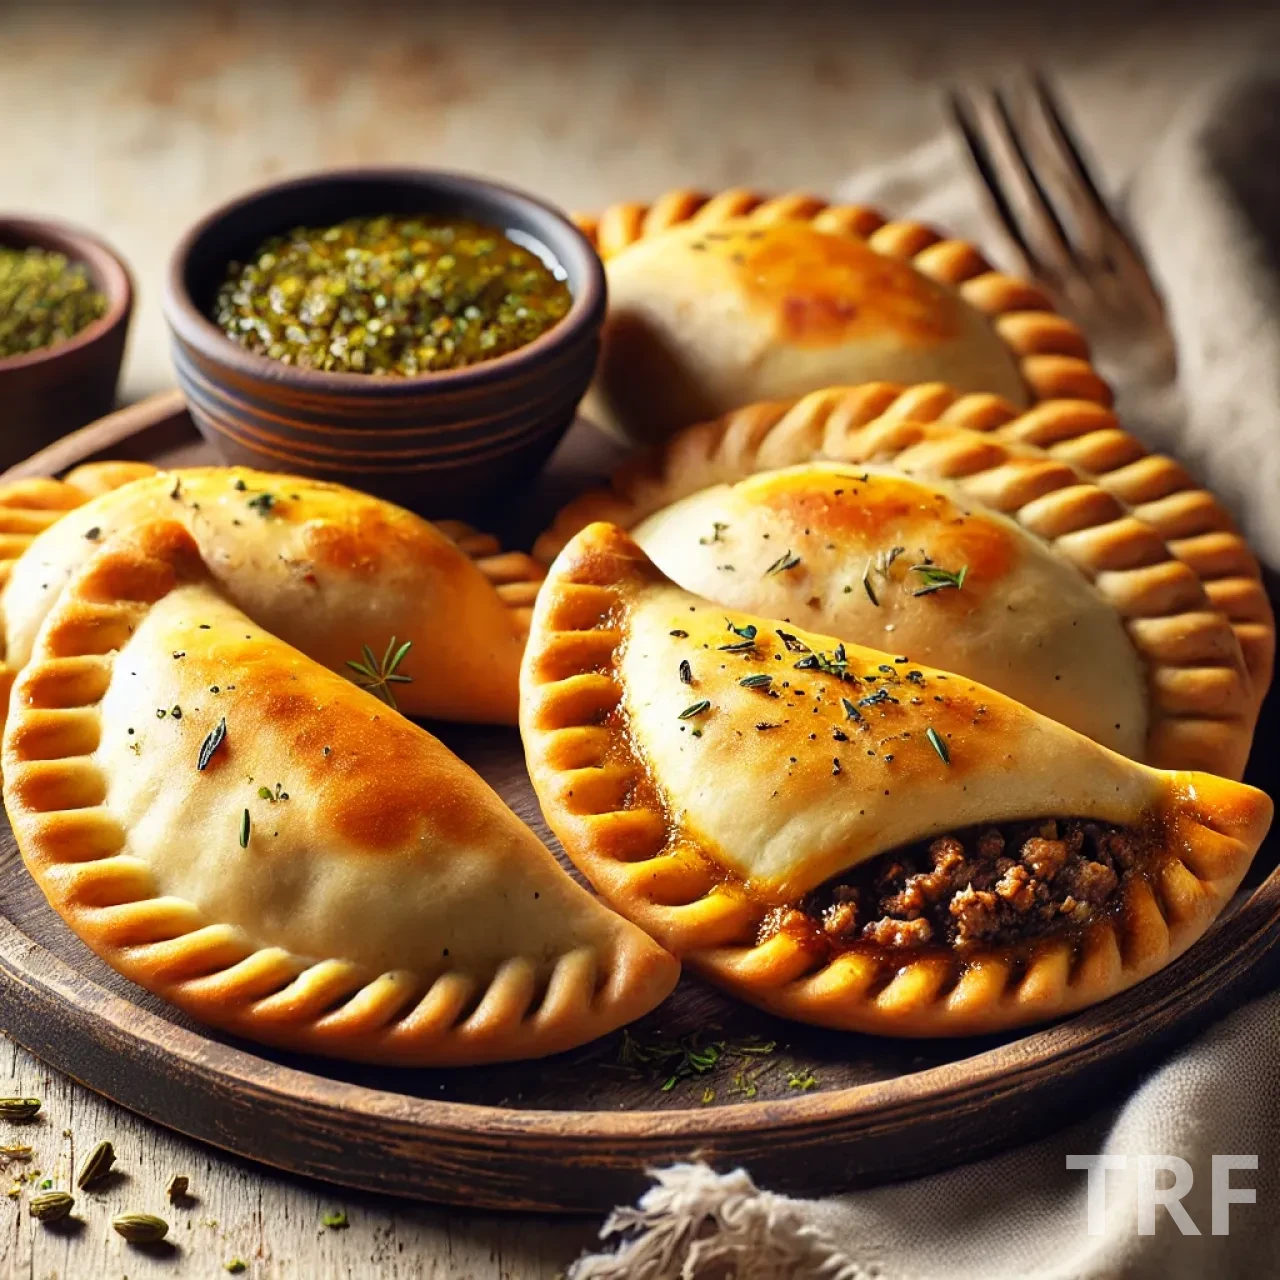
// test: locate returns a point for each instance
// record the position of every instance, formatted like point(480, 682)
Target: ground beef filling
point(988, 885)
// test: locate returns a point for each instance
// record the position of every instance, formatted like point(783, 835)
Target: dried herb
point(266, 793)
point(686, 672)
point(97, 1165)
point(738, 646)
point(803, 1079)
point(262, 503)
point(18, 1108)
point(93, 534)
point(378, 677)
point(761, 681)
point(717, 528)
point(792, 643)
point(215, 738)
point(867, 587)
point(245, 825)
point(668, 1061)
point(15, 1152)
point(45, 299)
point(679, 635)
point(140, 1228)
point(747, 633)
point(393, 295)
point(336, 1219)
point(835, 664)
point(936, 578)
point(51, 1206)
point(784, 562)
point(936, 742)
point(885, 559)
point(703, 704)
point(850, 711)
point(177, 1188)
point(235, 1266)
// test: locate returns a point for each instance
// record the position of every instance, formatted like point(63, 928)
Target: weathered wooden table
point(134, 121)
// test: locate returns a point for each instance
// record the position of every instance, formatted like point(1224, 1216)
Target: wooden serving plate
point(576, 1132)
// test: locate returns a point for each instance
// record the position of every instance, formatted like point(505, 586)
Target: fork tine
point(1055, 230)
point(962, 112)
point(1068, 149)
point(1111, 244)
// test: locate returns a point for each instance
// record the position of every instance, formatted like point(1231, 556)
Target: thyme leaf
point(703, 704)
point(245, 825)
point(747, 633)
point(215, 738)
point(936, 742)
point(761, 681)
point(785, 561)
point(686, 672)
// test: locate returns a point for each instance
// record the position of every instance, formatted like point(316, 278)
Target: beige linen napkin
point(1206, 204)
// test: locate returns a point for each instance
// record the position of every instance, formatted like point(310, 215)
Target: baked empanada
point(326, 568)
point(845, 836)
point(1013, 571)
point(719, 302)
point(250, 836)
point(1056, 444)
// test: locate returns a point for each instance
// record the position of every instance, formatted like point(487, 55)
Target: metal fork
point(1068, 236)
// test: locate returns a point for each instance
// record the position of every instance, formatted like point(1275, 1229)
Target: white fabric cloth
point(1206, 206)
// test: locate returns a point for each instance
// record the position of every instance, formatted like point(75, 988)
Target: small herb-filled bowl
point(65, 303)
point(421, 335)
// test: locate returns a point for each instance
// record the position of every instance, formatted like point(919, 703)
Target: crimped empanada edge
point(582, 761)
point(77, 851)
point(516, 576)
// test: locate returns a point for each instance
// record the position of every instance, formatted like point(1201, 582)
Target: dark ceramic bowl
point(47, 393)
point(438, 441)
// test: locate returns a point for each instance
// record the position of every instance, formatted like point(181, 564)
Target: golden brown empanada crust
point(1052, 353)
point(320, 927)
point(1203, 702)
point(589, 737)
point(327, 568)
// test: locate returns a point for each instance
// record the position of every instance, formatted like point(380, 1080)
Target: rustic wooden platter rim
point(478, 1153)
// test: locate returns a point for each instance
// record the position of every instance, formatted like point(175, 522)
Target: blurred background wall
point(135, 118)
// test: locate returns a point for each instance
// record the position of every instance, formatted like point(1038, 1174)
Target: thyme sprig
point(378, 677)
